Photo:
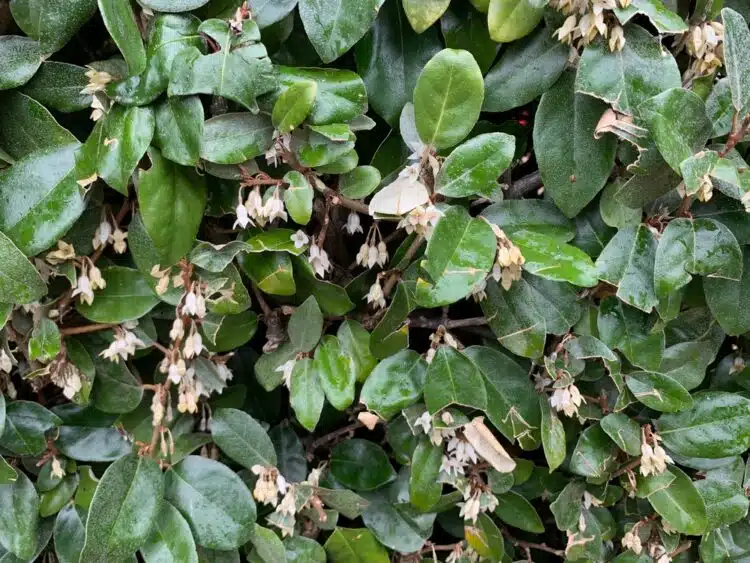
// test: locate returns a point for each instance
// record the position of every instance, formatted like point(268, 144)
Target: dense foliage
point(374, 280)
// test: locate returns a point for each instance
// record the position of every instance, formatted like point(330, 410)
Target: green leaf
point(662, 18)
point(27, 126)
point(423, 13)
point(724, 298)
point(695, 246)
point(473, 167)
point(355, 343)
point(293, 106)
point(725, 502)
point(395, 525)
point(267, 546)
point(277, 240)
point(333, 30)
point(548, 258)
point(361, 465)
point(627, 262)
point(174, 5)
point(341, 94)
point(300, 549)
point(614, 212)
point(170, 35)
point(658, 391)
point(518, 327)
point(716, 426)
point(115, 389)
point(573, 163)
point(271, 271)
point(524, 71)
point(448, 98)
point(567, 506)
point(623, 431)
point(453, 379)
point(537, 215)
point(458, 255)
point(628, 330)
point(167, 191)
point(335, 371)
point(332, 298)
point(678, 122)
point(179, 129)
point(69, 533)
point(53, 23)
point(230, 331)
point(298, 197)
point(233, 138)
point(45, 341)
point(628, 77)
point(19, 521)
point(389, 59)
point(553, 436)
point(116, 146)
point(680, 504)
point(58, 86)
point(51, 502)
point(20, 282)
point(127, 297)
point(396, 383)
point(84, 443)
point(215, 258)
point(240, 71)
point(512, 405)
point(124, 508)
point(306, 326)
point(354, 545)
point(242, 438)
point(509, 20)
point(25, 425)
point(516, 511)
point(594, 455)
point(424, 487)
point(120, 22)
point(19, 58)
point(41, 199)
point(737, 61)
point(465, 28)
point(170, 539)
point(360, 182)
point(213, 499)
point(306, 393)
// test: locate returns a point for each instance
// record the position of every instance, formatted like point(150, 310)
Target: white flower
point(254, 204)
point(98, 111)
point(478, 292)
point(62, 253)
point(102, 234)
point(96, 279)
point(72, 383)
point(176, 371)
point(274, 207)
point(57, 469)
point(5, 363)
point(659, 553)
point(319, 260)
point(420, 220)
point(124, 345)
point(616, 39)
point(287, 506)
point(119, 243)
point(178, 329)
point(451, 465)
point(471, 508)
point(193, 345)
point(632, 542)
point(97, 81)
point(353, 224)
point(462, 450)
point(243, 219)
point(364, 250)
point(375, 295)
point(286, 369)
point(372, 256)
point(299, 239)
point(195, 303)
point(157, 410)
point(314, 476)
point(424, 422)
point(567, 399)
point(370, 420)
point(83, 288)
point(269, 484)
point(653, 459)
point(382, 254)
point(224, 372)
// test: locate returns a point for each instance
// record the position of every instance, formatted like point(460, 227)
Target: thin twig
point(625, 468)
point(85, 329)
point(337, 199)
point(680, 549)
point(430, 547)
point(424, 322)
point(265, 307)
point(524, 186)
point(333, 436)
point(396, 274)
point(529, 545)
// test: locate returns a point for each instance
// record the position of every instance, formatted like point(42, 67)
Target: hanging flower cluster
point(588, 19)
point(704, 43)
point(373, 250)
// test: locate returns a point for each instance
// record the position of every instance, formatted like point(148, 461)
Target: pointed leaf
point(453, 379)
point(242, 438)
point(233, 138)
point(361, 465)
point(396, 383)
point(120, 21)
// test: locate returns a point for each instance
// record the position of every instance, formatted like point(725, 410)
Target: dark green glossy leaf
point(658, 391)
point(39, 198)
point(680, 504)
point(19, 281)
point(452, 378)
point(233, 138)
point(335, 371)
point(466, 28)
point(115, 389)
point(553, 436)
point(51, 502)
point(25, 425)
point(293, 106)
point(52, 23)
point(360, 182)
point(179, 129)
point(298, 197)
point(19, 58)
point(124, 507)
point(306, 326)
point(216, 503)
point(573, 163)
point(84, 443)
point(551, 259)
point(594, 455)
point(122, 26)
point(170, 539)
point(58, 86)
point(623, 431)
point(69, 533)
point(448, 98)
point(306, 393)
point(536, 215)
point(300, 549)
point(397, 526)
point(354, 545)
point(126, 297)
point(394, 384)
point(473, 167)
point(173, 5)
point(628, 330)
point(725, 502)
point(355, 342)
point(20, 519)
point(628, 77)
point(361, 465)
point(736, 51)
point(424, 487)
point(242, 438)
point(516, 511)
point(724, 298)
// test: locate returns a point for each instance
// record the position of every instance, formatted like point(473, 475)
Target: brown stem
point(337, 199)
point(737, 134)
point(529, 545)
point(680, 549)
point(625, 468)
point(524, 186)
point(390, 283)
point(332, 436)
point(264, 306)
point(430, 547)
point(424, 322)
point(85, 329)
